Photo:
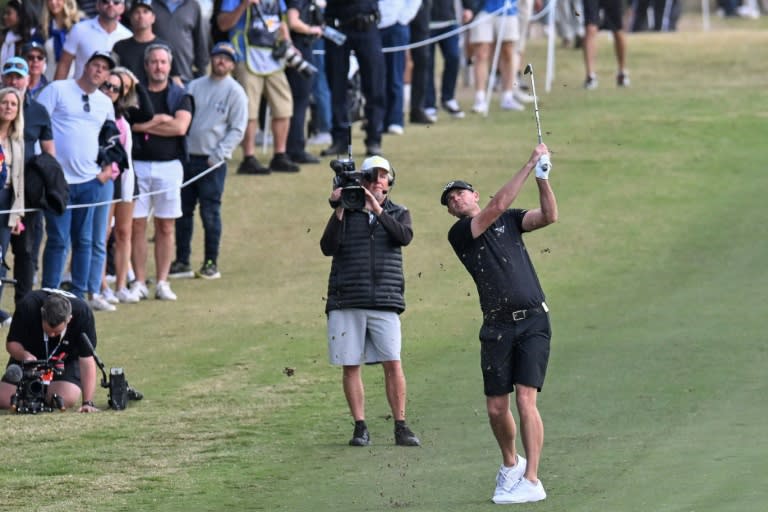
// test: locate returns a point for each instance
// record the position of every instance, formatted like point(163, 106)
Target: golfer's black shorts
point(514, 353)
point(613, 13)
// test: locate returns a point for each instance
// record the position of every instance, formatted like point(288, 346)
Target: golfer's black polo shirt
point(499, 263)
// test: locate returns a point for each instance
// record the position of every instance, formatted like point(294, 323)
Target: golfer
point(515, 335)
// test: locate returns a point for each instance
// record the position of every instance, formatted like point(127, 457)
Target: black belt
point(522, 314)
point(198, 156)
point(360, 22)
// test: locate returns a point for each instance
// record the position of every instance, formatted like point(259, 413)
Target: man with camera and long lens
point(256, 30)
point(365, 236)
point(515, 335)
point(48, 327)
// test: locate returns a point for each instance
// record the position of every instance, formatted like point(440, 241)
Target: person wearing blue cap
point(213, 136)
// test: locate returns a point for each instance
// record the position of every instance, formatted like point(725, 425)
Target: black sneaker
point(373, 150)
point(622, 79)
point(209, 270)
point(304, 158)
point(250, 165)
point(180, 270)
point(405, 437)
point(281, 163)
point(335, 149)
point(421, 117)
point(360, 437)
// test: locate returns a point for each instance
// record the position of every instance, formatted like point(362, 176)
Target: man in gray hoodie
point(215, 133)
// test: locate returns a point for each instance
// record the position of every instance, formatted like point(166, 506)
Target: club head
point(528, 69)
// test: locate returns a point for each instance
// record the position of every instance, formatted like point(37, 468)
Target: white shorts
point(489, 26)
point(159, 189)
point(357, 336)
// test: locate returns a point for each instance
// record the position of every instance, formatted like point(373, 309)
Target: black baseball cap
point(452, 185)
point(32, 45)
point(107, 56)
point(142, 3)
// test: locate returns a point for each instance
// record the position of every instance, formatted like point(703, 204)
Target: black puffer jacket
point(367, 266)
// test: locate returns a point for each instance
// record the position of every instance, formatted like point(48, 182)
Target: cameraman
point(48, 325)
point(365, 294)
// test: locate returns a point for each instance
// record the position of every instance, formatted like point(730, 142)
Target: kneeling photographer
point(48, 327)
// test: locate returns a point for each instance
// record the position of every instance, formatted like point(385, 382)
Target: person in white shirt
point(97, 34)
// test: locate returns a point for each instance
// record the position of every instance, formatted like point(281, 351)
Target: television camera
point(117, 384)
point(32, 379)
point(350, 180)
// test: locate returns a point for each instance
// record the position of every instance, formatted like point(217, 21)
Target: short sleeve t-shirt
point(27, 328)
point(499, 263)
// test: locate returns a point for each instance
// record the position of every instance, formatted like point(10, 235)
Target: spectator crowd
point(116, 106)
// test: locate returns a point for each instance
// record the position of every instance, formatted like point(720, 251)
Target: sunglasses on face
point(109, 87)
point(31, 58)
point(113, 2)
point(14, 66)
point(86, 104)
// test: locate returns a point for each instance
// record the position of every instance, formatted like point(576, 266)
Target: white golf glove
point(542, 167)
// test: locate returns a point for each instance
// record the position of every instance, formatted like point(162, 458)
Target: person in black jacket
point(37, 132)
point(365, 294)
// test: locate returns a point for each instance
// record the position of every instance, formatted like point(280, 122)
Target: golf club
point(544, 160)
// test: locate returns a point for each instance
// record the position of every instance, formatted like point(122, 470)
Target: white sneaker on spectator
point(127, 296)
point(480, 106)
point(508, 102)
point(320, 139)
point(453, 108)
point(395, 129)
point(524, 491)
point(140, 290)
point(507, 478)
point(522, 96)
point(431, 112)
point(163, 291)
point(99, 303)
point(109, 296)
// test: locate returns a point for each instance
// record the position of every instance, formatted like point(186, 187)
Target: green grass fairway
point(656, 397)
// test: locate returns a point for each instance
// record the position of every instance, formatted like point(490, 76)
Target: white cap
point(377, 162)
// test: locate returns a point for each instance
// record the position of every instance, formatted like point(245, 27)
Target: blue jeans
point(99, 245)
point(75, 225)
point(394, 63)
point(321, 116)
point(6, 200)
point(449, 47)
point(208, 191)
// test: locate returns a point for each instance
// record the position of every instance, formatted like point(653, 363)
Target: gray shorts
point(358, 336)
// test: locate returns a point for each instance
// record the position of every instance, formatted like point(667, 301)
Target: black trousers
point(367, 47)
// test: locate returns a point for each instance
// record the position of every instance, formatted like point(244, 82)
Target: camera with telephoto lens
point(32, 379)
point(293, 58)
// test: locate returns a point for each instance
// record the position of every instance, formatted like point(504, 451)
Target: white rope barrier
point(148, 194)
